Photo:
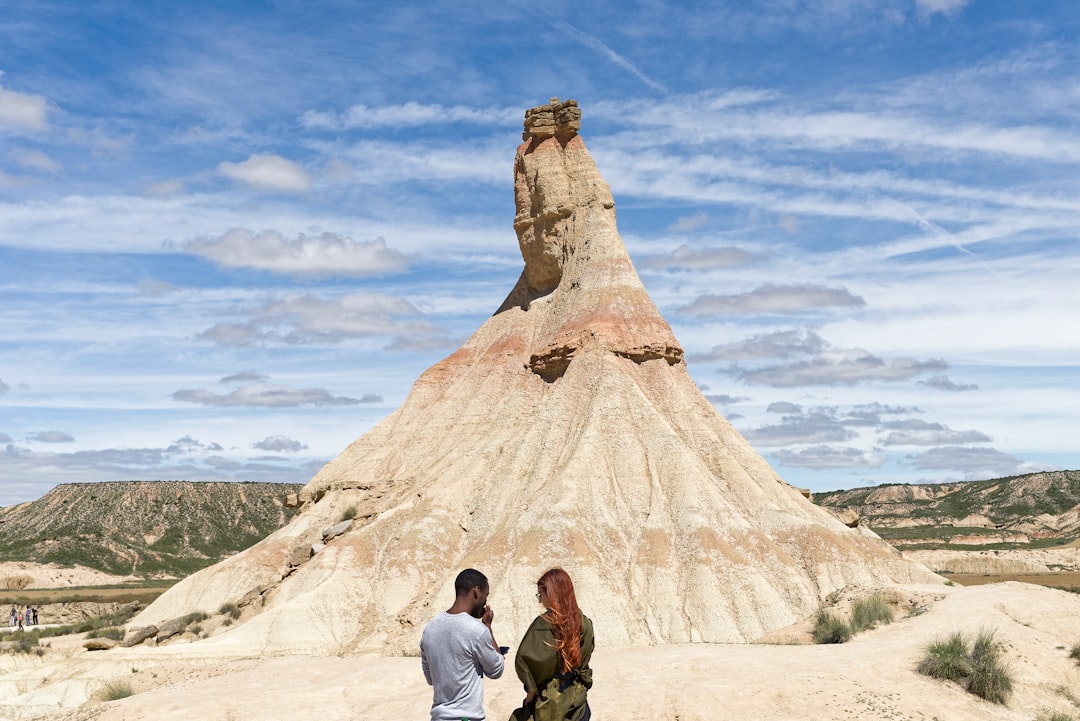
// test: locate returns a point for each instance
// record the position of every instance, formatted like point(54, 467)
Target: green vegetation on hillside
point(143, 528)
point(930, 515)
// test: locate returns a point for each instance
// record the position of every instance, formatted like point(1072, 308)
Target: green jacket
point(537, 661)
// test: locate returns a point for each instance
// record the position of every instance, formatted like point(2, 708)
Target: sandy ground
point(871, 677)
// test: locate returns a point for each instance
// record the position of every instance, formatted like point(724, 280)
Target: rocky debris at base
point(138, 635)
point(99, 644)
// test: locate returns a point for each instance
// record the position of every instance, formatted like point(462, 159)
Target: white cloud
point(841, 368)
point(942, 383)
point(814, 427)
point(35, 160)
point(307, 319)
point(927, 8)
point(243, 377)
point(165, 188)
point(4, 387)
point(279, 444)
point(326, 254)
point(777, 344)
point(50, 437)
point(23, 111)
point(771, 298)
point(268, 172)
point(410, 114)
point(689, 223)
point(688, 258)
point(975, 463)
point(823, 457)
point(262, 395)
point(596, 44)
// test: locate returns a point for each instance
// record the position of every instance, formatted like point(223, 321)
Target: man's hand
point(488, 616)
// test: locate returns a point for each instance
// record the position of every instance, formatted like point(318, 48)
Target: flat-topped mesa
point(555, 118)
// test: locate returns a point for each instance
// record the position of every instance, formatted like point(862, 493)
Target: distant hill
point(143, 528)
point(1038, 509)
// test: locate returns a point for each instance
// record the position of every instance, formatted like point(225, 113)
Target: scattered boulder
point(175, 627)
point(139, 635)
point(299, 555)
point(99, 644)
point(336, 530)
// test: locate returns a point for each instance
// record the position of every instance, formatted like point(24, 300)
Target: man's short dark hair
point(469, 579)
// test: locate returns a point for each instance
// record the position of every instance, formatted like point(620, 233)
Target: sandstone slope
point(566, 431)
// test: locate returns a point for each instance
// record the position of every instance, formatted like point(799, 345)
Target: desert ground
point(870, 677)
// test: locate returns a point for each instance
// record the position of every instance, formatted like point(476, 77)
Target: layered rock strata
point(566, 431)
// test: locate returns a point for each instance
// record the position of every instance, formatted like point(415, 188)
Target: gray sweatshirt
point(456, 652)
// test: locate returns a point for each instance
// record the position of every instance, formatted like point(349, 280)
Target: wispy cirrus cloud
point(264, 395)
point(410, 114)
point(825, 457)
point(776, 344)
point(690, 258)
point(844, 368)
point(311, 320)
point(949, 8)
point(50, 437)
point(942, 383)
point(326, 254)
point(770, 298)
point(594, 43)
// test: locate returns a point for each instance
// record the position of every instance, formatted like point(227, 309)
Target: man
point(458, 649)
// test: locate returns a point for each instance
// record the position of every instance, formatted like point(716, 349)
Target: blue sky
point(233, 234)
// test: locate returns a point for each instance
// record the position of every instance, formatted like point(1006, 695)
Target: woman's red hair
point(564, 616)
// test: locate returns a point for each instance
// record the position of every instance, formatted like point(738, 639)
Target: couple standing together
point(458, 648)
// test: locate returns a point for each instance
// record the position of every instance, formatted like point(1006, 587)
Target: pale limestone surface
point(566, 431)
point(1033, 560)
point(50, 575)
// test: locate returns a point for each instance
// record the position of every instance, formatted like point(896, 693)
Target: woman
point(553, 657)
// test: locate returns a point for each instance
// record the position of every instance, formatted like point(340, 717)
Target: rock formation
point(566, 431)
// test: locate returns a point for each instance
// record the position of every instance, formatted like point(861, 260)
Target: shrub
point(196, 629)
point(946, 658)
point(869, 612)
point(1075, 652)
point(991, 678)
point(230, 609)
point(24, 642)
point(830, 628)
point(981, 671)
point(116, 633)
point(349, 513)
point(116, 689)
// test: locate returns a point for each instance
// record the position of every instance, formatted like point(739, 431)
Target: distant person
point(35, 616)
point(553, 658)
point(458, 648)
point(14, 613)
point(20, 616)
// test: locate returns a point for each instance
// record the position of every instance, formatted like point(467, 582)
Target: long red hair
point(564, 616)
